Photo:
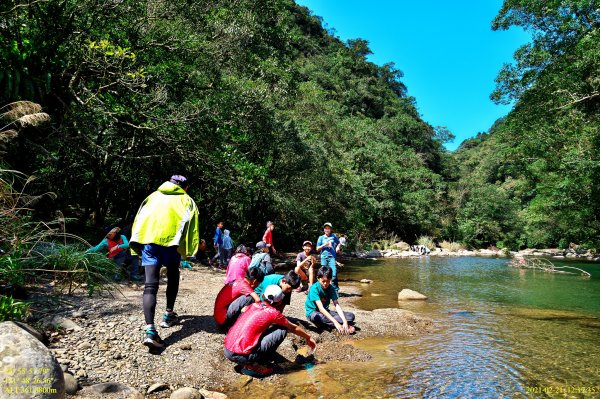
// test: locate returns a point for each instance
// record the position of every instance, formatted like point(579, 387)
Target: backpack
point(258, 260)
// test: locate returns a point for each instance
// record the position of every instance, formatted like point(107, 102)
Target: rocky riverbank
point(98, 340)
point(548, 252)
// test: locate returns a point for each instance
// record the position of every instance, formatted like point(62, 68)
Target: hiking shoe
point(169, 319)
point(257, 370)
point(152, 339)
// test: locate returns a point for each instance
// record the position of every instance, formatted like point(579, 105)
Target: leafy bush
point(401, 245)
point(11, 309)
point(426, 241)
point(33, 253)
point(69, 265)
point(392, 241)
point(563, 243)
point(452, 246)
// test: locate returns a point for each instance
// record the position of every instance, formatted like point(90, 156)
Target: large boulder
point(59, 322)
point(27, 368)
point(407, 295)
point(41, 336)
point(374, 254)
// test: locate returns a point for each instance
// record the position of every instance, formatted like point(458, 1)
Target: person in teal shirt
point(288, 283)
point(317, 303)
point(116, 247)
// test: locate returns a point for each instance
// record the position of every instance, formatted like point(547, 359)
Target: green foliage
point(426, 241)
point(12, 310)
point(531, 181)
point(451, 246)
point(11, 272)
point(391, 241)
point(274, 118)
point(69, 265)
point(34, 253)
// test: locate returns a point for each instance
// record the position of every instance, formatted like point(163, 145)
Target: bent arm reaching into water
point(299, 331)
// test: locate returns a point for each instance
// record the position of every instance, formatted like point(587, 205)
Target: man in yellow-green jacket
point(165, 229)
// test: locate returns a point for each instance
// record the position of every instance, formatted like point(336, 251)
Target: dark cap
point(261, 245)
point(179, 180)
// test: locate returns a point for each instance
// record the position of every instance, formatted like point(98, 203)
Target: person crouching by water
point(258, 332)
point(165, 229)
point(117, 246)
point(232, 297)
point(317, 305)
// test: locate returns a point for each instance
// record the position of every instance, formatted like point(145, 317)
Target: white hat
point(273, 294)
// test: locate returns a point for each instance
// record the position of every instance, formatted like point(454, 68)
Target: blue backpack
point(258, 260)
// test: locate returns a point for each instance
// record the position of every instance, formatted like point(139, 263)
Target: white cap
point(273, 294)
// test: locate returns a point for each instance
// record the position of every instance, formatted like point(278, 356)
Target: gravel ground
point(108, 346)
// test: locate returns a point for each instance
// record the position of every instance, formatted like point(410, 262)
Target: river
point(500, 332)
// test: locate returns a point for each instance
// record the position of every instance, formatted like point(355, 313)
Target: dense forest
point(275, 118)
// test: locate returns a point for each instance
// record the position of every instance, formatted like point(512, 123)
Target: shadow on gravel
point(190, 325)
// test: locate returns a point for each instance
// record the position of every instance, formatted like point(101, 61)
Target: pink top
point(243, 337)
point(237, 267)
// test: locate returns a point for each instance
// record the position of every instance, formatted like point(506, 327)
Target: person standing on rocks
point(258, 332)
point(329, 246)
point(165, 229)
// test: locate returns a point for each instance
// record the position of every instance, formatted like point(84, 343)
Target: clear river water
point(500, 332)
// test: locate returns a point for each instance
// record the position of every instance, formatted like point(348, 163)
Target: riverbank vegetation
point(275, 118)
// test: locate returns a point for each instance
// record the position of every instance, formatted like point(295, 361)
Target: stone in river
point(407, 294)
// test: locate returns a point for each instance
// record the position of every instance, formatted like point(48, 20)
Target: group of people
point(250, 305)
point(224, 244)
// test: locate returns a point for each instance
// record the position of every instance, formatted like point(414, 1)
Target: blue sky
point(446, 49)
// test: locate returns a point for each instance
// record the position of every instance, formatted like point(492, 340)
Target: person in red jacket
point(232, 298)
point(258, 332)
point(268, 238)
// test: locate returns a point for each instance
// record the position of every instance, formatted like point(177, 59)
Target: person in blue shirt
point(329, 246)
point(225, 253)
point(218, 242)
